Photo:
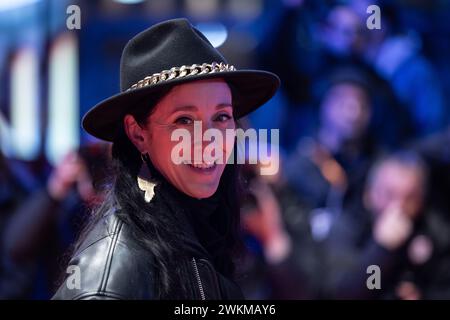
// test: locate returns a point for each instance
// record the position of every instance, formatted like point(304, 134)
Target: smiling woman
point(206, 101)
point(167, 230)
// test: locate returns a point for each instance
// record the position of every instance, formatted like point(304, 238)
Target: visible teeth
point(203, 165)
point(200, 165)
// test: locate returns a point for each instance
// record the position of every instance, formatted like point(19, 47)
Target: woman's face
point(208, 101)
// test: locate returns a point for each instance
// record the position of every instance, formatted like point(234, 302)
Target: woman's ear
point(135, 133)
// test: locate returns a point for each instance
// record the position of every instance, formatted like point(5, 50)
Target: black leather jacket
point(109, 269)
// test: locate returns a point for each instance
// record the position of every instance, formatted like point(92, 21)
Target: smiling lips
point(206, 167)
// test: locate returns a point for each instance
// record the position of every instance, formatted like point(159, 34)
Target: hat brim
point(252, 87)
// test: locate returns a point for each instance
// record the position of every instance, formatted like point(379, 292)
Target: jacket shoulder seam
point(115, 236)
point(99, 239)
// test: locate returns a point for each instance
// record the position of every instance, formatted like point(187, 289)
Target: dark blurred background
point(364, 128)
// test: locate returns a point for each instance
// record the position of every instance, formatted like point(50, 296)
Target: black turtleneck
point(208, 224)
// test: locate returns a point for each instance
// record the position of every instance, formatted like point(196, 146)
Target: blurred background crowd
point(364, 128)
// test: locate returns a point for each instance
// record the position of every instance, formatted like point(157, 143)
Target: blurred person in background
point(395, 53)
point(328, 170)
point(293, 51)
point(435, 150)
point(282, 260)
point(311, 39)
point(43, 227)
point(17, 182)
point(393, 231)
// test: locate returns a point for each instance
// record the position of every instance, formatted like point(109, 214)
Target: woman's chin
point(202, 194)
point(200, 191)
point(200, 183)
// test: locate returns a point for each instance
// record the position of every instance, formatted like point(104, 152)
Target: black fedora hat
point(169, 53)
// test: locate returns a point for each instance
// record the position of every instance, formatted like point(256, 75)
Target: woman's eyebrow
point(184, 108)
point(194, 108)
point(224, 105)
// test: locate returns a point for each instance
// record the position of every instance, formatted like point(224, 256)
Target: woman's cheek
point(229, 140)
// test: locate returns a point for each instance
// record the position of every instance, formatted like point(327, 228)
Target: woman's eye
point(223, 117)
point(183, 121)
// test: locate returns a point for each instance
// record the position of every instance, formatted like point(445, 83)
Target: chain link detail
point(181, 72)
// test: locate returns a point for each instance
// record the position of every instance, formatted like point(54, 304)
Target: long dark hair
point(159, 233)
